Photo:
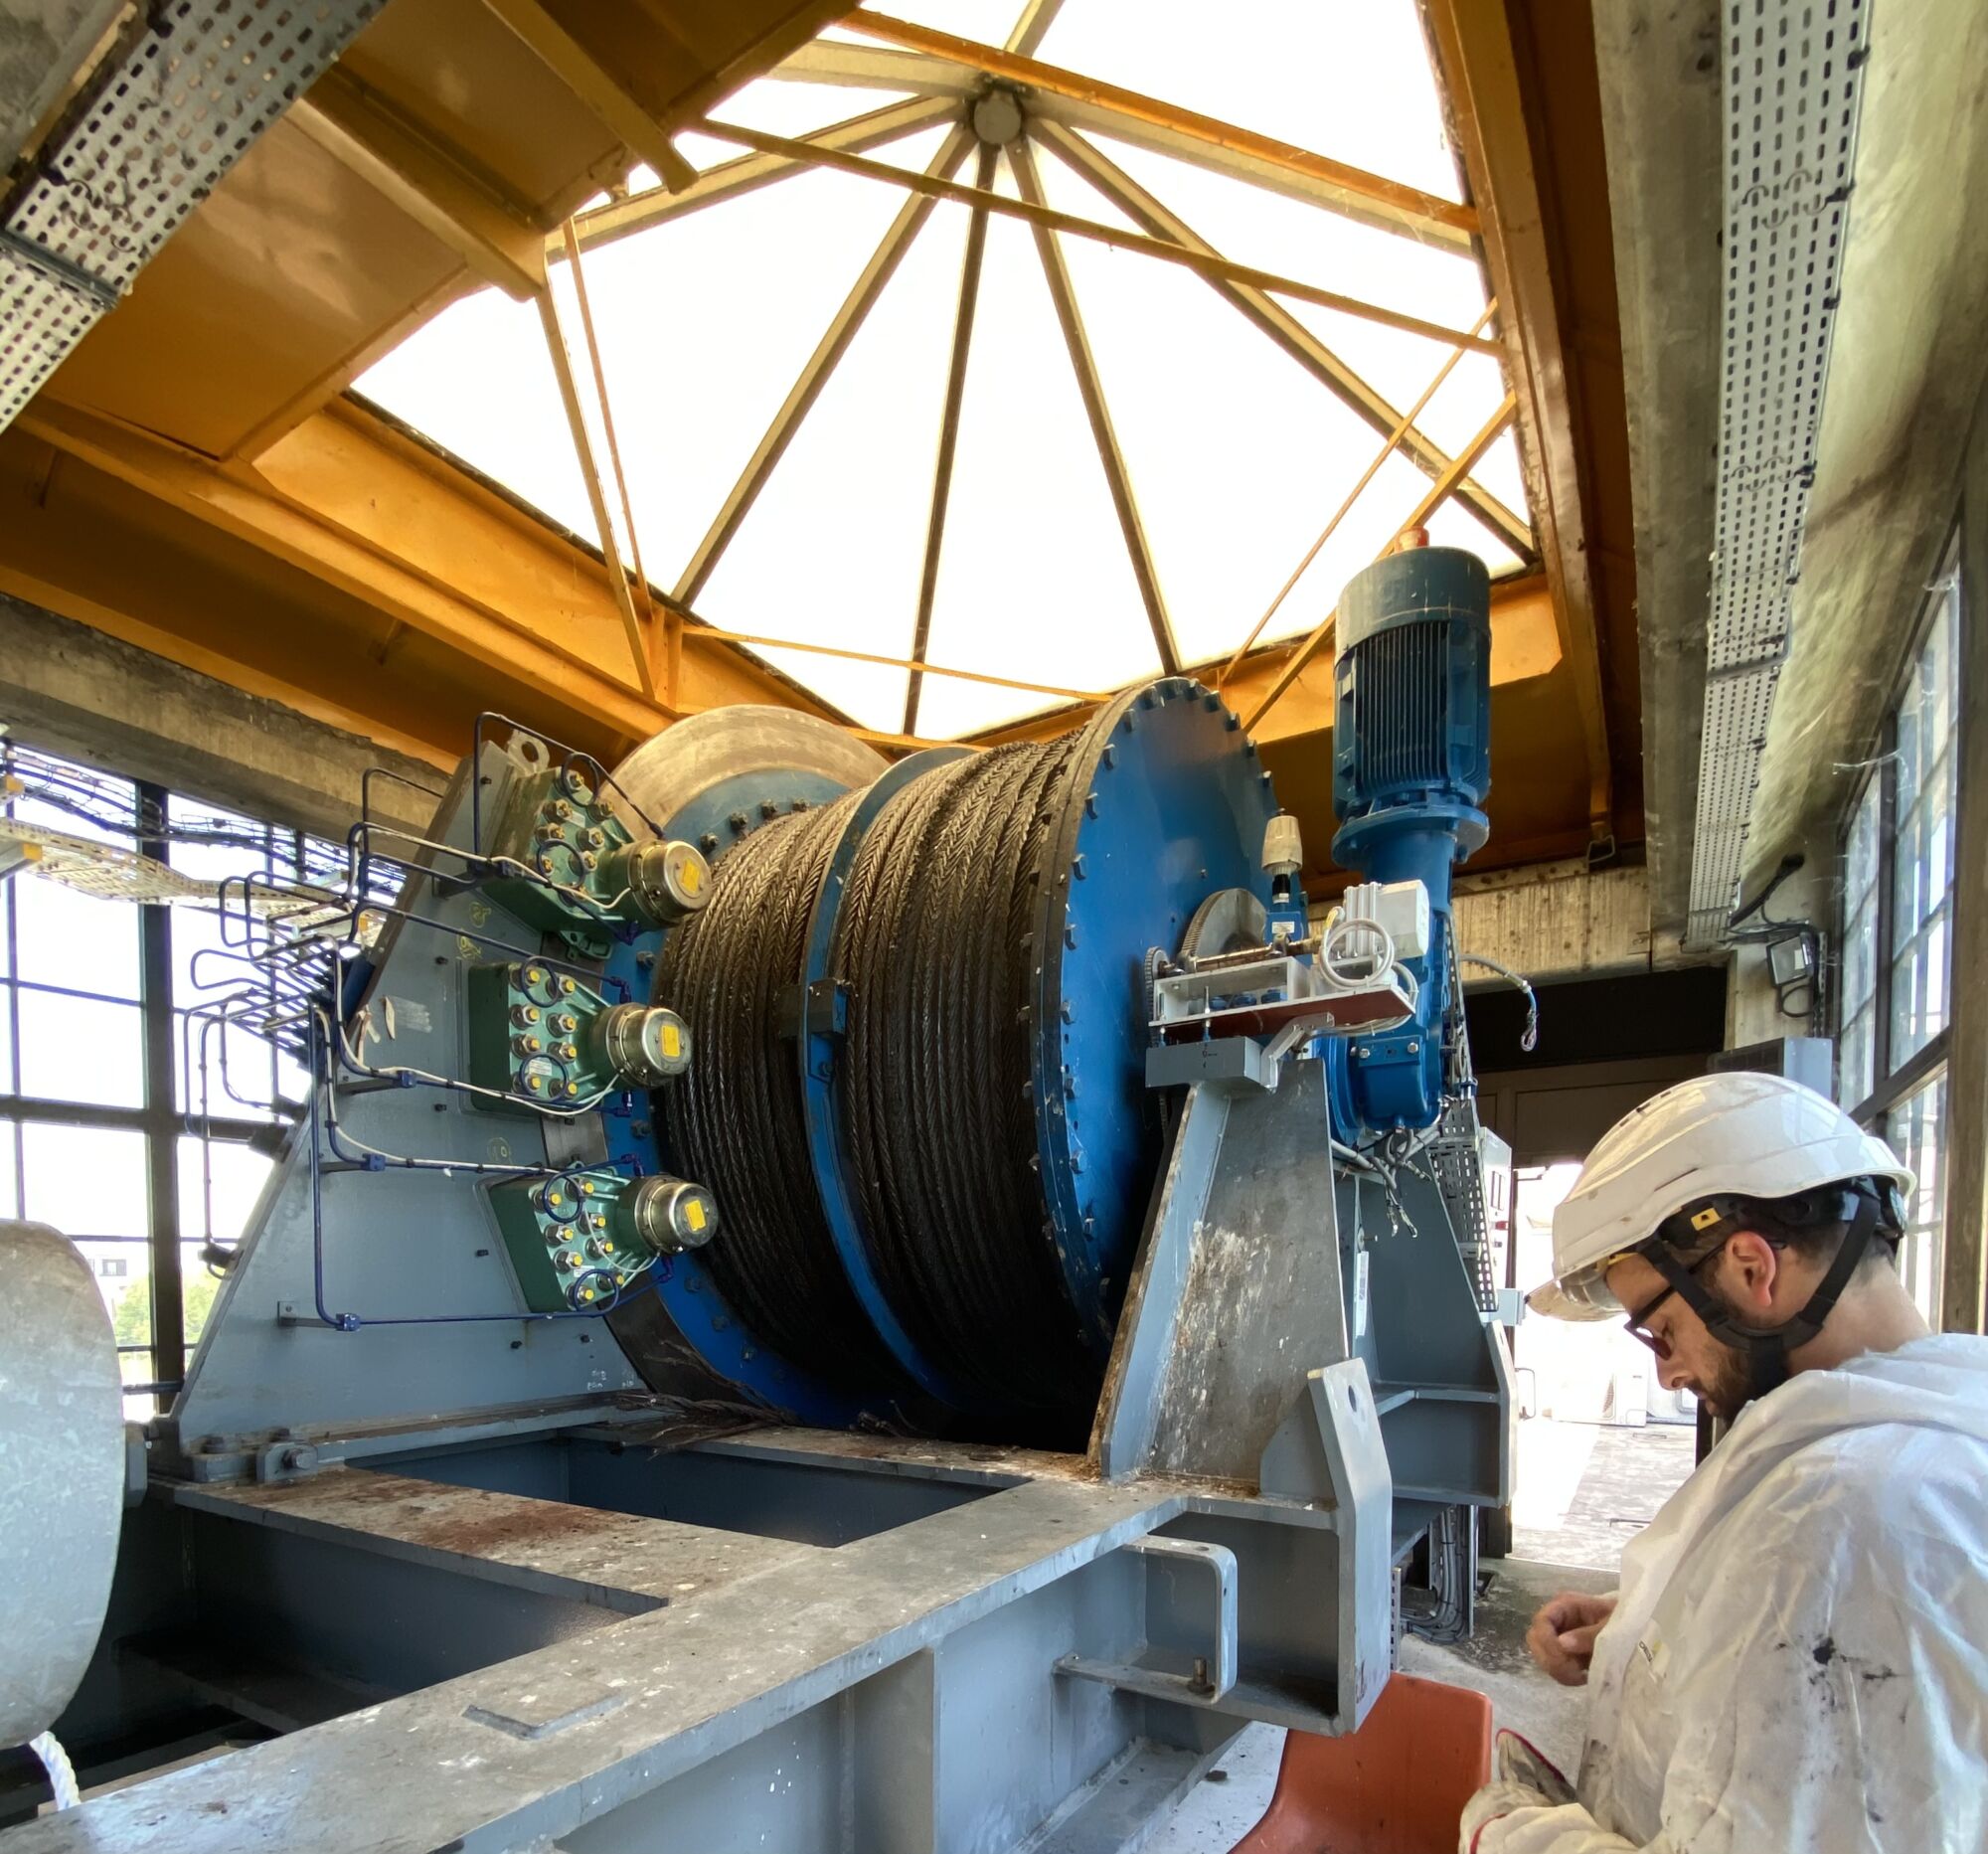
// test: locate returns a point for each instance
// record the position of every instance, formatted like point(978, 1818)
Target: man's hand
point(1563, 1634)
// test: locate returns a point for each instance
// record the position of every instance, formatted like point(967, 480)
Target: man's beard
point(1729, 1388)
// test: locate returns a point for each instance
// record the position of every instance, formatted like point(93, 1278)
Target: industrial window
point(786, 350)
point(1896, 932)
point(127, 1120)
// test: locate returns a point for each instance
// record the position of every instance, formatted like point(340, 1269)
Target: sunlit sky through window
point(1237, 453)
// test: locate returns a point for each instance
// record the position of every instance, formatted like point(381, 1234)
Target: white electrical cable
point(1332, 951)
point(62, 1774)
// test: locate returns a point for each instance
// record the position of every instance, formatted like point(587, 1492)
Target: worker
point(1796, 1661)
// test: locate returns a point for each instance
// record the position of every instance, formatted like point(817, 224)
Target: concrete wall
point(1561, 920)
point(74, 691)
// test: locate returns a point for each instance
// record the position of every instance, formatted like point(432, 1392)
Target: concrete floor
point(1587, 1490)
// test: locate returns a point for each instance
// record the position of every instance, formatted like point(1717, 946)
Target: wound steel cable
point(933, 941)
point(734, 1119)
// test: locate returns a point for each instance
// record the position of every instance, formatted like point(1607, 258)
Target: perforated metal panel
point(1791, 90)
point(172, 112)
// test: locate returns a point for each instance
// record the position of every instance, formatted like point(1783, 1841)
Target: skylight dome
point(1081, 417)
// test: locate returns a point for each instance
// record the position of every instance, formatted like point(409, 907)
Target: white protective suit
point(1798, 1663)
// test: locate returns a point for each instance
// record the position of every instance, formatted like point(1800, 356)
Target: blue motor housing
point(1410, 766)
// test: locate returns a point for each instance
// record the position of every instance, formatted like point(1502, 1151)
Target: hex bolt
point(767, 808)
point(708, 843)
point(738, 823)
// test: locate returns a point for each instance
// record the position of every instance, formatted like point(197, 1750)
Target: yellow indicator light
point(566, 987)
point(597, 1221)
point(587, 1293)
point(533, 975)
point(694, 1213)
point(587, 1187)
point(573, 1087)
point(692, 878)
point(553, 1197)
point(672, 1042)
point(534, 1082)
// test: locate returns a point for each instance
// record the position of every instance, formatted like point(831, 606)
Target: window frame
point(158, 1117)
point(1895, 1084)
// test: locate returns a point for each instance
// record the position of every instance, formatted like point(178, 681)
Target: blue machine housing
point(1411, 767)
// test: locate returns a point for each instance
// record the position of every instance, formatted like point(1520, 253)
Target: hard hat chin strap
point(1766, 1348)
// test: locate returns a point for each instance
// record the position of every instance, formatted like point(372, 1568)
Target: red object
point(1397, 1786)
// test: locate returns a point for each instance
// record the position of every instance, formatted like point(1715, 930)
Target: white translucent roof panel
point(478, 381)
point(1345, 78)
point(834, 547)
point(1237, 454)
point(1034, 581)
point(1310, 245)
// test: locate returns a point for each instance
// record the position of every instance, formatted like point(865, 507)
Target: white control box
point(1400, 909)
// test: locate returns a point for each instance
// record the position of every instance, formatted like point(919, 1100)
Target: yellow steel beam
point(1437, 494)
point(1139, 551)
point(583, 445)
point(1030, 30)
point(1281, 327)
point(389, 536)
point(1474, 50)
point(1388, 203)
point(665, 637)
point(971, 264)
point(428, 177)
point(1205, 262)
point(605, 91)
point(733, 180)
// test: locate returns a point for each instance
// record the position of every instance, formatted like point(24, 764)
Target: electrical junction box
point(579, 1240)
point(1400, 909)
point(567, 863)
point(543, 1037)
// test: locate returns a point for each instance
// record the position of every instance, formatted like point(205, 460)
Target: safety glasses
point(1637, 1322)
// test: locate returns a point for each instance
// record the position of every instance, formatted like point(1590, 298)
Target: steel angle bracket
point(1328, 1451)
point(1212, 1673)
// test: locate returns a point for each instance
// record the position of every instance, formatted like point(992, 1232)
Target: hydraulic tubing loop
point(735, 1121)
point(933, 940)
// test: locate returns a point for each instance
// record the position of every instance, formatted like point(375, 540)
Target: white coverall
point(1798, 1663)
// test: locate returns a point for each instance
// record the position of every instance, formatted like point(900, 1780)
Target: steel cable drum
point(965, 1019)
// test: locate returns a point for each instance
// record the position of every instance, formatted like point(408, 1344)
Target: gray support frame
point(397, 1243)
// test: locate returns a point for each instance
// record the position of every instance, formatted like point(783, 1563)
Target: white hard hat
point(1741, 1135)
